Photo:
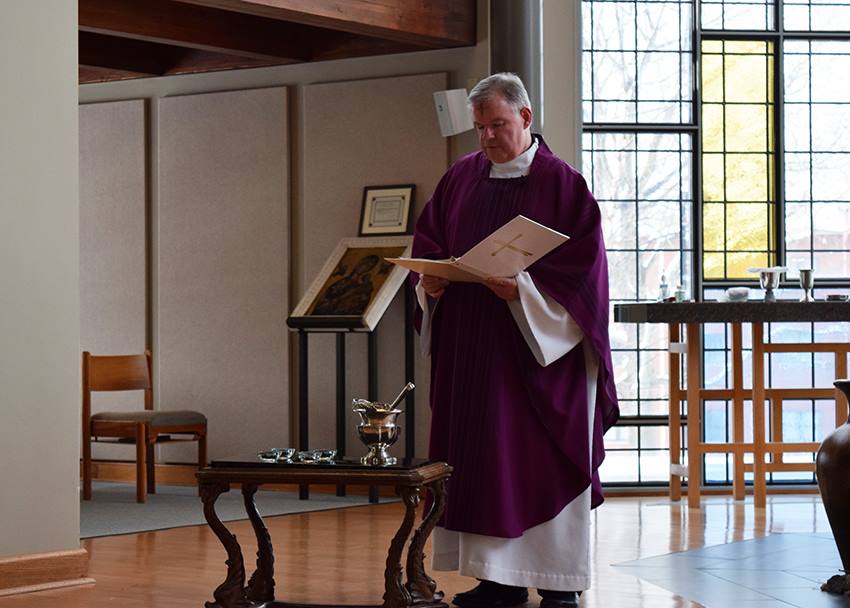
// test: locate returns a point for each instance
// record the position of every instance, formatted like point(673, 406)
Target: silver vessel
point(378, 430)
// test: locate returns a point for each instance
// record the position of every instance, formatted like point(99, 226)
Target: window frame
point(777, 35)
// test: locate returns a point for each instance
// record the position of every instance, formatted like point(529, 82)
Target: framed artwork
point(387, 210)
point(355, 286)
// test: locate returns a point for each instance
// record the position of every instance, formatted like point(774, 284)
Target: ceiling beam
point(346, 45)
point(98, 51)
point(431, 23)
point(192, 61)
point(90, 75)
point(197, 27)
point(129, 58)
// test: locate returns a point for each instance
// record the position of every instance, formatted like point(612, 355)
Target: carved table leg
point(396, 594)
point(261, 584)
point(422, 588)
point(231, 593)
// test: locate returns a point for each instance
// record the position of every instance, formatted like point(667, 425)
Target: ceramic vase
point(833, 471)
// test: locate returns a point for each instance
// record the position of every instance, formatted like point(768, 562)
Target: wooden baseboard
point(40, 571)
point(184, 475)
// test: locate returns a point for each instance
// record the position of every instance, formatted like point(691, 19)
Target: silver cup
point(769, 280)
point(807, 283)
point(377, 430)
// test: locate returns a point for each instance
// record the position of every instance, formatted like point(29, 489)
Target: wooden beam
point(434, 24)
point(342, 45)
point(105, 58)
point(122, 54)
point(93, 75)
point(197, 27)
point(191, 61)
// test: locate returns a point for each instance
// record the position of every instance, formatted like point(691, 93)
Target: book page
point(447, 269)
point(504, 253)
point(512, 248)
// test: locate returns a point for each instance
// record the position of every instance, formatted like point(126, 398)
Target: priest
point(522, 385)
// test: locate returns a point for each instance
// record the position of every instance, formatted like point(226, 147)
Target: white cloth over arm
point(547, 327)
point(428, 305)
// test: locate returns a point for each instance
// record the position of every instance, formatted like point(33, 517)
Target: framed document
point(354, 287)
point(386, 210)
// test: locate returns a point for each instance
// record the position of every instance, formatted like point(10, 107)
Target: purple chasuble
point(515, 432)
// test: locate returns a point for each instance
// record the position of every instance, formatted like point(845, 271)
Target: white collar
point(516, 167)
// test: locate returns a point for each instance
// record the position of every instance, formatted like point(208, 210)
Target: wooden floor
point(338, 556)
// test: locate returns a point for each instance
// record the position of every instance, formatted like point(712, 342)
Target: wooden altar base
point(409, 478)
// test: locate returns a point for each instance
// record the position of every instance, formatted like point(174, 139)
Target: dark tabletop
point(249, 469)
point(253, 462)
point(731, 312)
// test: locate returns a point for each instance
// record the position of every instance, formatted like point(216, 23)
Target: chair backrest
point(116, 373)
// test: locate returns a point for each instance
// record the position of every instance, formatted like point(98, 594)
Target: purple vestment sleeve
point(516, 432)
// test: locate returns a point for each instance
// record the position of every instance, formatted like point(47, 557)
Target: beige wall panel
point(367, 132)
point(562, 78)
point(112, 242)
point(222, 264)
point(39, 270)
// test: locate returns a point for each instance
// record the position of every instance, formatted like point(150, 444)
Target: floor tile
point(762, 580)
point(779, 570)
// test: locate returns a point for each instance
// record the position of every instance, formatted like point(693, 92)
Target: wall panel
point(113, 246)
point(222, 266)
point(360, 133)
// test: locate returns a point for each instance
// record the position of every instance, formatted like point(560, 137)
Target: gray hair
point(506, 85)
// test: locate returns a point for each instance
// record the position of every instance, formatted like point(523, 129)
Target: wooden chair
point(144, 428)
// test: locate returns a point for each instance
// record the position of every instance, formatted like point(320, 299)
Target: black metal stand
point(372, 388)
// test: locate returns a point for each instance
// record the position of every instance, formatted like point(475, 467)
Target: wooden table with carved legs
point(409, 478)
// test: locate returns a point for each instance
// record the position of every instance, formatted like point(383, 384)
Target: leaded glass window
point(708, 160)
point(738, 167)
point(817, 156)
point(737, 14)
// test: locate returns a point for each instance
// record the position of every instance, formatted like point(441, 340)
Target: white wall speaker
point(452, 111)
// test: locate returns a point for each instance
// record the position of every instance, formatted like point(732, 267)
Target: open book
point(510, 249)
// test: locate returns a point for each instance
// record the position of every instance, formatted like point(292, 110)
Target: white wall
point(39, 299)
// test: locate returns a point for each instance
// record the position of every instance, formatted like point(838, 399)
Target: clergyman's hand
point(434, 286)
point(504, 287)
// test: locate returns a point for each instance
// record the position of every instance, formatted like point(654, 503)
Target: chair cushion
point(153, 418)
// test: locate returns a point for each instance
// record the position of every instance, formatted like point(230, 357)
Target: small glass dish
point(275, 455)
point(305, 456)
point(315, 456)
point(837, 297)
point(324, 456)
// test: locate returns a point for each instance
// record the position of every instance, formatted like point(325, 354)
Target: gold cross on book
point(508, 245)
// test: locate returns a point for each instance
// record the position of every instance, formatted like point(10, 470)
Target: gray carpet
point(113, 508)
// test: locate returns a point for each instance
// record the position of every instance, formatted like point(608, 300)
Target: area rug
point(113, 508)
